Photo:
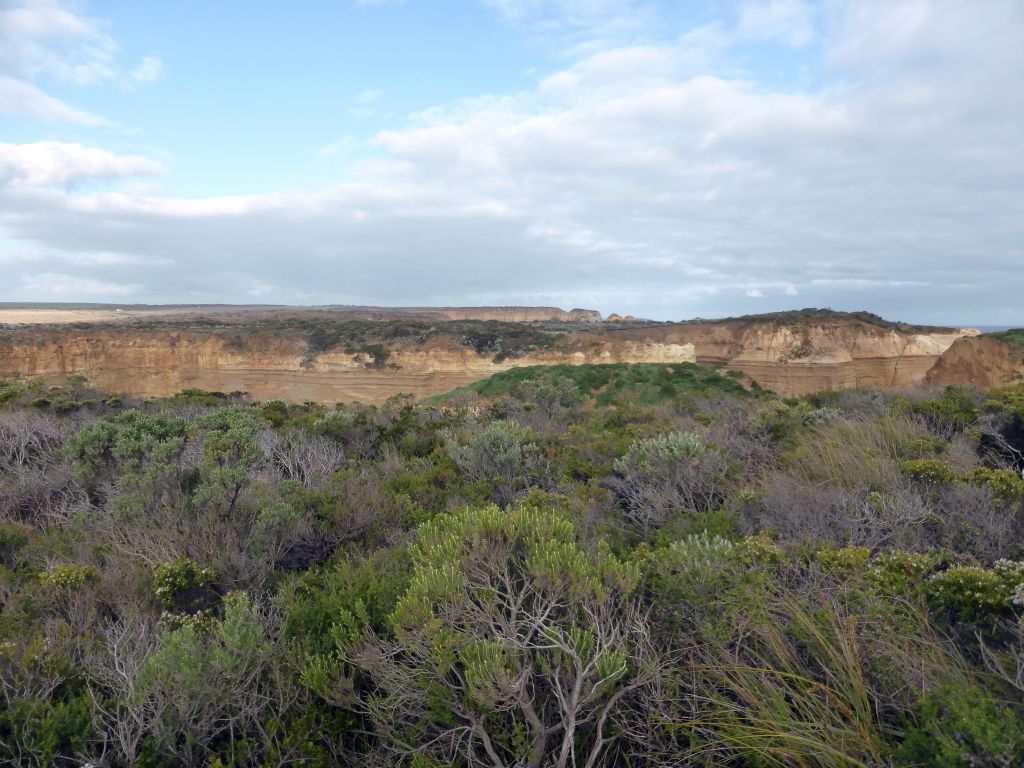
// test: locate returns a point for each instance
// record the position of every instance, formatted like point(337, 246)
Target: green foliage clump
point(958, 407)
point(616, 384)
point(903, 573)
point(973, 593)
point(67, 577)
point(182, 584)
point(933, 471)
point(13, 537)
point(961, 726)
point(498, 602)
point(1013, 336)
point(845, 562)
point(1007, 485)
point(646, 455)
point(503, 454)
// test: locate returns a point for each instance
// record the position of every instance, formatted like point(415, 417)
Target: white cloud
point(48, 163)
point(574, 27)
point(148, 70)
point(788, 21)
point(21, 99)
point(44, 37)
point(53, 39)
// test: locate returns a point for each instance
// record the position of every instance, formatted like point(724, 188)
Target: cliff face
point(151, 364)
point(796, 360)
point(981, 361)
point(788, 357)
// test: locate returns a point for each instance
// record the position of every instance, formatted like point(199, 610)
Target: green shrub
point(503, 454)
point(932, 471)
point(647, 455)
point(974, 593)
point(760, 550)
point(67, 577)
point(960, 727)
point(898, 573)
point(183, 585)
point(957, 408)
point(13, 536)
point(1007, 485)
point(845, 562)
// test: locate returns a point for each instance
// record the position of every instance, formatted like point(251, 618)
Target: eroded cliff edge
point(982, 361)
point(327, 359)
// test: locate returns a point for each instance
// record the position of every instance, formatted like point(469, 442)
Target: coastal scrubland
point(580, 566)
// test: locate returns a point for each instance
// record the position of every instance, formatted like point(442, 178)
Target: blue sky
point(664, 159)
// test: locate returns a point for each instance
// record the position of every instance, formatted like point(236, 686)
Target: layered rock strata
point(791, 354)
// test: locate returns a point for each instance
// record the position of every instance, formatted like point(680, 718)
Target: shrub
point(973, 593)
point(900, 573)
point(846, 562)
point(183, 585)
point(957, 726)
point(13, 536)
point(651, 454)
point(502, 454)
point(504, 610)
point(67, 577)
point(1007, 485)
point(663, 476)
point(932, 471)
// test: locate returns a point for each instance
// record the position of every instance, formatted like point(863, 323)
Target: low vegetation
point(814, 316)
point(595, 566)
point(1014, 336)
point(612, 384)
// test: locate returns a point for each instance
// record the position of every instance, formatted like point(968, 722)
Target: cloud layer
point(655, 177)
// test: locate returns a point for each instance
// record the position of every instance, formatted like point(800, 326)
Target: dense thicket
point(692, 575)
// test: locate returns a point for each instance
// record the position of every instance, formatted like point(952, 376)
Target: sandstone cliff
point(982, 361)
point(792, 354)
point(153, 364)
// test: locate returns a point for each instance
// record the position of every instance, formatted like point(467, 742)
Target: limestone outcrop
point(791, 353)
point(981, 361)
point(154, 364)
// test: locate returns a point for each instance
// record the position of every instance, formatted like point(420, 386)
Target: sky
point(664, 159)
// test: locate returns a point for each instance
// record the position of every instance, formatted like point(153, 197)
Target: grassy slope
point(617, 383)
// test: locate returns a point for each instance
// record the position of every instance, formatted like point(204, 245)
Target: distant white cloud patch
point(47, 37)
point(148, 70)
point(788, 21)
point(56, 39)
point(48, 163)
point(21, 99)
